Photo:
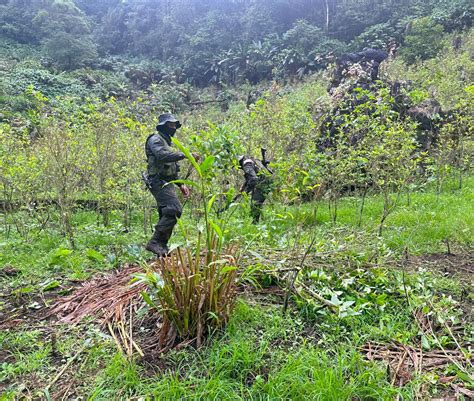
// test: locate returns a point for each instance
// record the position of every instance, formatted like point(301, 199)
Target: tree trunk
point(327, 15)
point(361, 210)
point(128, 208)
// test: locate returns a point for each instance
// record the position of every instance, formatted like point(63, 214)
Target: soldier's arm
point(156, 145)
point(250, 176)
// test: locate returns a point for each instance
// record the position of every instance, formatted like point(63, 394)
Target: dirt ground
point(458, 265)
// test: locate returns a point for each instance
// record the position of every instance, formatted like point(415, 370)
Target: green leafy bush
point(422, 40)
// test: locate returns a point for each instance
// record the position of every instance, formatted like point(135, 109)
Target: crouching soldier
point(162, 168)
point(257, 183)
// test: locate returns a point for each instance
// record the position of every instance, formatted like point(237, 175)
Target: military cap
point(167, 118)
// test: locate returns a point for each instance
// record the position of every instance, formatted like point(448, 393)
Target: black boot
point(157, 248)
point(158, 244)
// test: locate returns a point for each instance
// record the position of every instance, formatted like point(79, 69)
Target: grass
point(421, 225)
point(262, 354)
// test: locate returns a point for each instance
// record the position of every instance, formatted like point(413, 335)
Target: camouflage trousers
point(257, 199)
point(169, 209)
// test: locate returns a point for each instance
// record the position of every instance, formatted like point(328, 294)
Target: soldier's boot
point(157, 248)
point(158, 244)
point(255, 212)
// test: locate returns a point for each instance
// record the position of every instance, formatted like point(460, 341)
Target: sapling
point(59, 156)
point(391, 163)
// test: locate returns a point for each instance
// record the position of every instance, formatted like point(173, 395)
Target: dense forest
point(343, 273)
point(111, 48)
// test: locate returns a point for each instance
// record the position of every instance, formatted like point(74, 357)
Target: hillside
point(336, 264)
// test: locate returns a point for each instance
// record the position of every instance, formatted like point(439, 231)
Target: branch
point(206, 101)
point(61, 372)
point(292, 283)
point(321, 299)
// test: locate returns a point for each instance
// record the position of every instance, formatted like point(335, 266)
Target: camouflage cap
point(167, 118)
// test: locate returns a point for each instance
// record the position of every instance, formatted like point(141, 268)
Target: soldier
point(257, 183)
point(162, 168)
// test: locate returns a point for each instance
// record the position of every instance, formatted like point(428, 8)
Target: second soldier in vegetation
point(162, 168)
point(257, 183)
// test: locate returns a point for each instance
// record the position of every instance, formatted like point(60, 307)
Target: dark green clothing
point(161, 158)
point(169, 208)
point(257, 184)
point(162, 168)
point(256, 205)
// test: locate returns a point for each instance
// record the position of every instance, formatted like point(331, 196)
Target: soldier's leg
point(154, 245)
point(169, 210)
point(256, 205)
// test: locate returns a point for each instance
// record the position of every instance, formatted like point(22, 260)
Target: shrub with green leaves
point(422, 40)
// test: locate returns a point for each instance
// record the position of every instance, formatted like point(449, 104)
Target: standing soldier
point(162, 168)
point(257, 183)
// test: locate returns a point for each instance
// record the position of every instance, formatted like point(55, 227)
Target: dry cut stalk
point(418, 360)
point(402, 359)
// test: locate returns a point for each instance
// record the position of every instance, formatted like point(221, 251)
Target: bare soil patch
point(459, 265)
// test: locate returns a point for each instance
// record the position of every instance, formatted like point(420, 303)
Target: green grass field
point(263, 354)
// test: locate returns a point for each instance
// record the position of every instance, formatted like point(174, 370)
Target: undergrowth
point(311, 352)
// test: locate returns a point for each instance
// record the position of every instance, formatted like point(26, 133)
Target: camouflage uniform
point(163, 168)
point(257, 184)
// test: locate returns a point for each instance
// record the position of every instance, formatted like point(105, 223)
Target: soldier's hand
point(184, 190)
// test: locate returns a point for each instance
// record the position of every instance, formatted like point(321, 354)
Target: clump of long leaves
point(194, 288)
point(193, 291)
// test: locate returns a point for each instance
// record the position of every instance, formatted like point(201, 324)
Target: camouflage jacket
point(161, 158)
point(256, 174)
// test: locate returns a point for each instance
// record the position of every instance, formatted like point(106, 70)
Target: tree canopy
point(220, 41)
